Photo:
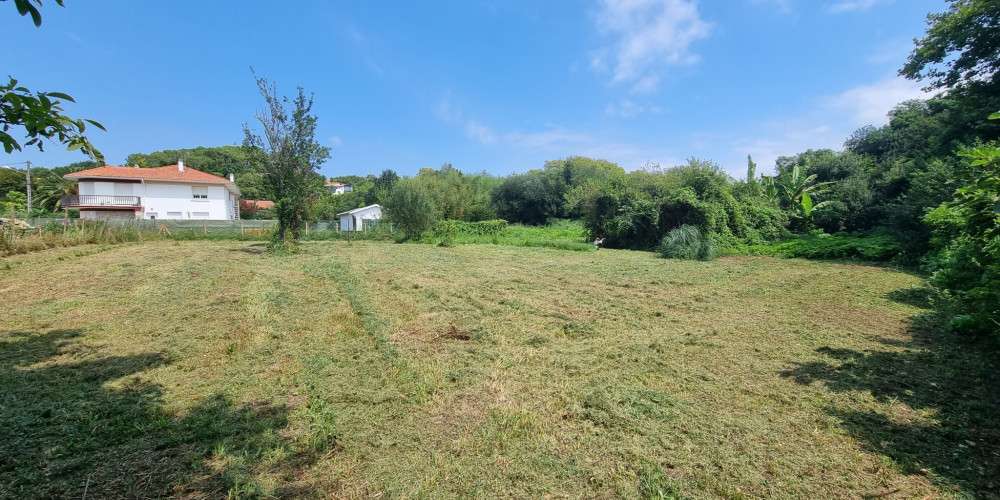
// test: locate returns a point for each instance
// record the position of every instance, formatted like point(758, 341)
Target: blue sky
point(495, 85)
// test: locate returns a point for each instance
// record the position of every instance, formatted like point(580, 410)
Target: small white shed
point(359, 218)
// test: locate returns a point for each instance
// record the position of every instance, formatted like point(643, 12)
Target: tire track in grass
point(375, 325)
point(418, 380)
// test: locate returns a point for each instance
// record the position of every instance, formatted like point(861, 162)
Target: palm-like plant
point(796, 190)
point(51, 189)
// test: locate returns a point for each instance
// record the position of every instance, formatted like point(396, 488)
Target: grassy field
point(206, 369)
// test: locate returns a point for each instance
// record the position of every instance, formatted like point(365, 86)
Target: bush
point(875, 247)
point(410, 209)
point(687, 242)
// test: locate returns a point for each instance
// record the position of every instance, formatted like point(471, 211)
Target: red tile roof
point(256, 204)
point(168, 173)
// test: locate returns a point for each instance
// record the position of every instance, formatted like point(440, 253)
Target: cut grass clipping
point(207, 369)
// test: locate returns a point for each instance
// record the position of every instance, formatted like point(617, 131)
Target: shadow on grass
point(72, 421)
point(920, 297)
point(949, 427)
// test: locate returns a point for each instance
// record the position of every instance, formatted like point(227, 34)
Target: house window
point(173, 215)
point(151, 215)
point(199, 192)
point(199, 215)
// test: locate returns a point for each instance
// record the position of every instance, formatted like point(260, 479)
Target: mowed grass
point(202, 369)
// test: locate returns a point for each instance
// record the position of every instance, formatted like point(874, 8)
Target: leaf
point(60, 95)
point(98, 125)
point(995, 116)
point(807, 203)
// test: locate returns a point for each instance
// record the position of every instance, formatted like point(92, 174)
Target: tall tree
point(289, 153)
point(960, 55)
point(965, 39)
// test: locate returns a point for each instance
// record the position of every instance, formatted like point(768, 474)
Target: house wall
point(107, 214)
point(169, 200)
point(354, 223)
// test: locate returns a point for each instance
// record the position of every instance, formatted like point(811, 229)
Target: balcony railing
point(100, 200)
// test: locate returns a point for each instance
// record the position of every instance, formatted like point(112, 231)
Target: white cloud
point(336, 141)
point(853, 5)
point(829, 123)
point(626, 108)
point(869, 104)
point(650, 34)
point(557, 138)
point(446, 111)
point(480, 132)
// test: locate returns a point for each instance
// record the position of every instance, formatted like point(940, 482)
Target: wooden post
point(13, 222)
point(307, 228)
point(242, 231)
point(65, 222)
point(204, 225)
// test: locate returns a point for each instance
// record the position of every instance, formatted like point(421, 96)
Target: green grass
point(561, 235)
point(208, 369)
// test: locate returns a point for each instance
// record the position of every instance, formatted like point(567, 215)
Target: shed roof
point(362, 209)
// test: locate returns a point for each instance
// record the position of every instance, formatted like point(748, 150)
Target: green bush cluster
point(870, 247)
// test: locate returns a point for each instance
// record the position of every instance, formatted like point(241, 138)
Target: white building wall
point(165, 199)
point(349, 222)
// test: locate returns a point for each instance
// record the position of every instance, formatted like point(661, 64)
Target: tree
point(960, 55)
point(383, 186)
point(965, 39)
point(289, 154)
point(221, 161)
point(795, 189)
point(410, 209)
point(40, 113)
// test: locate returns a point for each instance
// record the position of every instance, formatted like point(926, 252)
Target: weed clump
point(688, 243)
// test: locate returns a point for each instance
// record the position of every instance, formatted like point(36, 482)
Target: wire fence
point(182, 226)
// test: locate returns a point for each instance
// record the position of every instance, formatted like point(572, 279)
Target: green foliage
point(688, 243)
point(531, 198)
point(40, 115)
point(247, 167)
point(458, 196)
point(409, 209)
point(965, 39)
point(966, 239)
point(445, 230)
point(638, 209)
point(14, 200)
point(874, 247)
point(381, 188)
point(290, 156)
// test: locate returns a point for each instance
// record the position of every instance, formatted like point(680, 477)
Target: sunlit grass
point(209, 369)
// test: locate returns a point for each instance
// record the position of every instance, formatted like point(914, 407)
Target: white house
point(171, 192)
point(360, 218)
point(334, 187)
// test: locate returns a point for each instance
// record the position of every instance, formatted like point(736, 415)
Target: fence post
point(242, 232)
point(13, 222)
point(65, 222)
point(204, 225)
point(307, 228)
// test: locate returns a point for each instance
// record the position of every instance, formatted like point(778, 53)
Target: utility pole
point(27, 178)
